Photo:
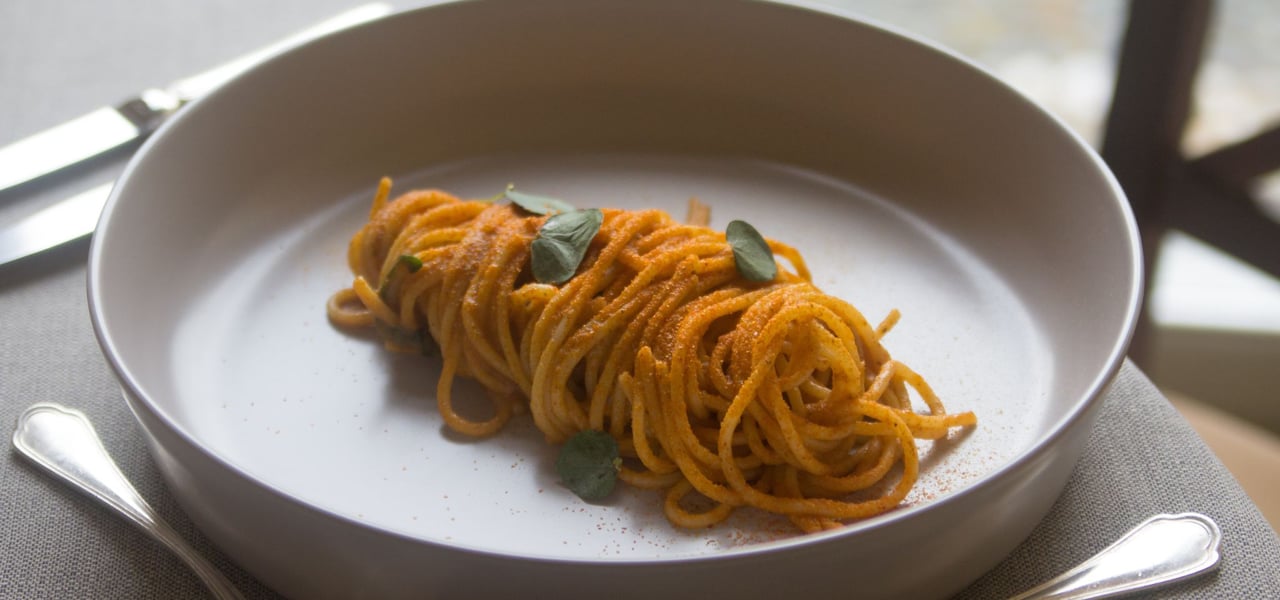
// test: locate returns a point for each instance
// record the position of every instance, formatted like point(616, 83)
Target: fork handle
point(63, 442)
point(1159, 551)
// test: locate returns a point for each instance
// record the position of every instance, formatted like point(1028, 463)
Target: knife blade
point(108, 128)
point(65, 221)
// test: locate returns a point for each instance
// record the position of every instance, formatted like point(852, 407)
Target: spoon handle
point(63, 442)
point(1160, 550)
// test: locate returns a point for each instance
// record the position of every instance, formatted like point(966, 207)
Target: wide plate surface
point(267, 383)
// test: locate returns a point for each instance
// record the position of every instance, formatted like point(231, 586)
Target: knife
point(65, 221)
point(108, 128)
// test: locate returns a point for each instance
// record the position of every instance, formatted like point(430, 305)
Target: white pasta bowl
point(907, 177)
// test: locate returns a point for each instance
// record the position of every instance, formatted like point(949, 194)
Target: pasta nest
point(723, 392)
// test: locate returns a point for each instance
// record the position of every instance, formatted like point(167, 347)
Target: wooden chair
point(1208, 196)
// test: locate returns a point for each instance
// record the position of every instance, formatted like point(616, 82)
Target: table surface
point(61, 58)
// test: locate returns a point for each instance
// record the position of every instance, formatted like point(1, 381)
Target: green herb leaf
point(538, 205)
point(407, 339)
point(398, 336)
point(751, 254)
point(588, 464)
point(410, 261)
point(562, 242)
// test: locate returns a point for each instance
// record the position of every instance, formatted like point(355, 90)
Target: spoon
point(1159, 551)
point(63, 442)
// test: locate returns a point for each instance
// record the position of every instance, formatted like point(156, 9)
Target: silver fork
point(1159, 551)
point(63, 442)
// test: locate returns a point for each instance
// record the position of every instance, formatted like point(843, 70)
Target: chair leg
point(1160, 54)
point(1225, 216)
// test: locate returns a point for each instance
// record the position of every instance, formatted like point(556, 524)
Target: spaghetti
point(772, 395)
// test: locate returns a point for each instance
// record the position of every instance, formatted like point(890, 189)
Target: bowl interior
point(908, 178)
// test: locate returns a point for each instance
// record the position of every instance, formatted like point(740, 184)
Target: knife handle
point(149, 109)
point(109, 128)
